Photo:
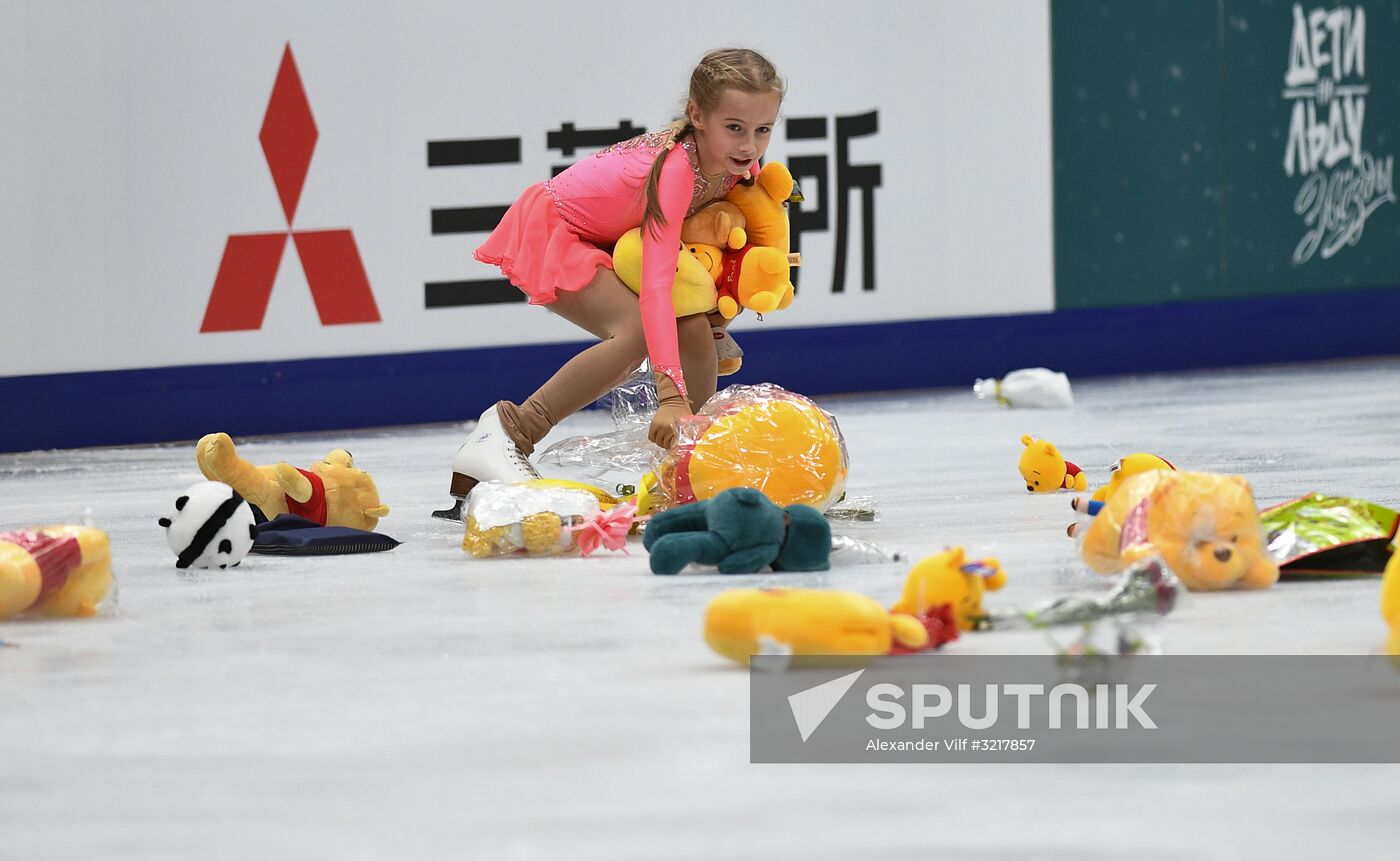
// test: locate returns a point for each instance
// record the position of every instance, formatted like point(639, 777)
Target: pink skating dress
point(557, 234)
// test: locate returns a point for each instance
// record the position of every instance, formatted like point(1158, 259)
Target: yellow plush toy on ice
point(949, 578)
point(1122, 470)
point(1045, 470)
point(1127, 467)
point(333, 492)
point(54, 571)
point(1205, 527)
point(740, 623)
point(763, 437)
point(1390, 604)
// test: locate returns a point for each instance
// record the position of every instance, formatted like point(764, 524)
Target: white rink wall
point(131, 154)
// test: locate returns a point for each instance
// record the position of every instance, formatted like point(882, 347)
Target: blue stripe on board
point(183, 403)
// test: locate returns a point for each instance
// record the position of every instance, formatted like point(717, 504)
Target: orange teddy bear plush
point(758, 275)
point(720, 224)
point(764, 205)
point(1206, 528)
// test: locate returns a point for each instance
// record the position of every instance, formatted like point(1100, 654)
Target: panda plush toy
point(211, 527)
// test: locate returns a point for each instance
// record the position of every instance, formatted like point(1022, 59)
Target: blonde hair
point(722, 69)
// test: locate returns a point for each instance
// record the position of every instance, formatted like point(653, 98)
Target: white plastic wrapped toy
point(535, 518)
point(1028, 387)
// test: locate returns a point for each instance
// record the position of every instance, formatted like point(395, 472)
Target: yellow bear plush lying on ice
point(1125, 468)
point(1205, 527)
point(942, 595)
point(948, 578)
point(333, 492)
point(744, 622)
point(1045, 470)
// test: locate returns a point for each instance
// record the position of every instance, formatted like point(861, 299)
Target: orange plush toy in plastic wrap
point(1205, 527)
point(763, 437)
point(54, 571)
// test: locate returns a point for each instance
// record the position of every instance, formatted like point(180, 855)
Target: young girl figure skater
point(553, 243)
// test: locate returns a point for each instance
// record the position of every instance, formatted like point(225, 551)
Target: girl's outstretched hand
point(671, 407)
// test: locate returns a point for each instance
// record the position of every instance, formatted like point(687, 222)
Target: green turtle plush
point(741, 531)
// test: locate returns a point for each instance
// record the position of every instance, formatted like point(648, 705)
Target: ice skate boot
point(489, 454)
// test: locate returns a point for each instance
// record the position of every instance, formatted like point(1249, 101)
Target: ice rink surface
point(420, 704)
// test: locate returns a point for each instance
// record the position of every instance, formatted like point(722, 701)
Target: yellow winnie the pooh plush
point(1204, 526)
point(942, 595)
point(693, 291)
point(746, 234)
point(1045, 470)
point(333, 492)
point(1125, 468)
point(949, 578)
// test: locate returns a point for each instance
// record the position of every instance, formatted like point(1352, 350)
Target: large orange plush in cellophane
point(763, 437)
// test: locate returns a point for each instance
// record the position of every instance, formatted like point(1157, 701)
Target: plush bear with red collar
point(1045, 470)
point(757, 277)
point(333, 492)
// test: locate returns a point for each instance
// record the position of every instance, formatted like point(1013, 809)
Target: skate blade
point(453, 513)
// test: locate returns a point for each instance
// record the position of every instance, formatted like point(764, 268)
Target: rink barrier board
point(1177, 144)
point(122, 407)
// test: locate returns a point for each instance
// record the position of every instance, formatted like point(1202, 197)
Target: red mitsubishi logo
point(329, 257)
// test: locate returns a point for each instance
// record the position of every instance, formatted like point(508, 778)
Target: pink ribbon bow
point(608, 528)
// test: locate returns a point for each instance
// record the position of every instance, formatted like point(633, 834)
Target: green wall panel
point(1137, 151)
point(1172, 124)
point(1272, 246)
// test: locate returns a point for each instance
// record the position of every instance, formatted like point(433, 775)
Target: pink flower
point(608, 528)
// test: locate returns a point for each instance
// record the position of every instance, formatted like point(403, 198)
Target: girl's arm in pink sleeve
point(661, 247)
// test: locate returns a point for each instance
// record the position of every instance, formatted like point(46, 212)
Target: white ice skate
point(489, 454)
